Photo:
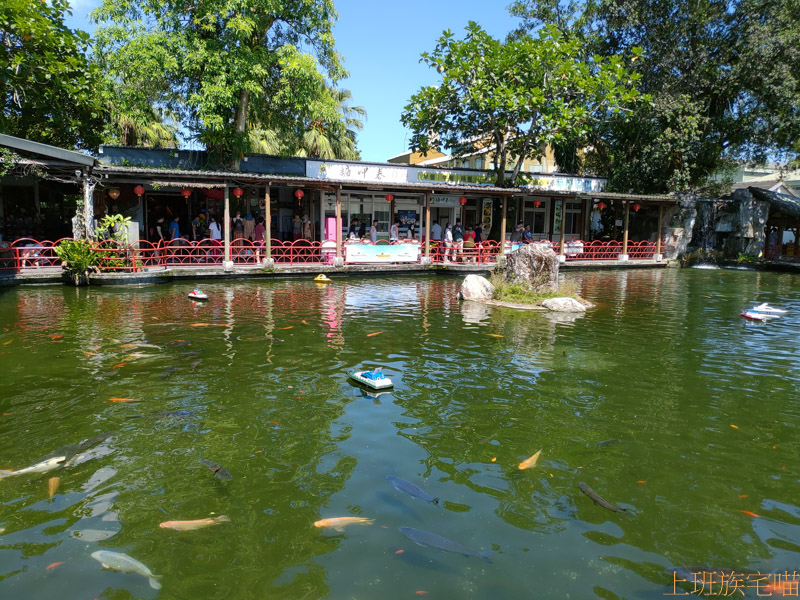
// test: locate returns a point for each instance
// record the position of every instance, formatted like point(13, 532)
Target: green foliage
point(7, 160)
point(516, 96)
point(114, 227)
point(507, 291)
point(51, 92)
point(724, 78)
point(230, 70)
point(78, 256)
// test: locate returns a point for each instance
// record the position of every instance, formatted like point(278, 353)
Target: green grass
point(522, 294)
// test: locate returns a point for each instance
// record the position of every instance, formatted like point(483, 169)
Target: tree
point(154, 128)
point(51, 92)
point(223, 66)
point(515, 97)
point(724, 77)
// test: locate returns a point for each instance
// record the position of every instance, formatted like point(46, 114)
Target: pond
point(662, 399)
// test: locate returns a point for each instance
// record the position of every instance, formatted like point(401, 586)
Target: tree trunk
point(241, 127)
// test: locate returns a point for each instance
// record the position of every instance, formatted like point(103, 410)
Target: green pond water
point(662, 399)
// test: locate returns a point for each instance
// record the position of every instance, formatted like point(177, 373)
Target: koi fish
point(52, 485)
point(597, 499)
point(42, 467)
point(338, 523)
point(289, 327)
point(497, 335)
point(198, 324)
point(748, 513)
point(167, 372)
point(122, 400)
point(374, 334)
point(412, 490)
point(431, 540)
point(116, 561)
point(219, 471)
point(194, 525)
point(125, 346)
point(119, 365)
point(196, 363)
point(53, 565)
point(56, 336)
point(529, 462)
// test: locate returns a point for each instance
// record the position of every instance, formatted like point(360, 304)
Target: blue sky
point(381, 42)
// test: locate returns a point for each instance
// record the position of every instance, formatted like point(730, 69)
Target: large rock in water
point(563, 305)
point(476, 287)
point(535, 266)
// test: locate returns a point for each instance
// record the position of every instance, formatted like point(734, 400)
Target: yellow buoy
point(321, 279)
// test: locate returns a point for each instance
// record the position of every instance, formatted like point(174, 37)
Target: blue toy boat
point(374, 379)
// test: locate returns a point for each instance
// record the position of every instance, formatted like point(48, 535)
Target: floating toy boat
point(321, 279)
point(374, 379)
point(198, 294)
point(753, 316)
point(766, 308)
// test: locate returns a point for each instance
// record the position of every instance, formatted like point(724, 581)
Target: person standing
point(237, 226)
point(306, 228)
point(412, 232)
point(353, 231)
point(174, 229)
point(214, 230)
point(260, 231)
point(362, 231)
point(249, 226)
point(436, 232)
point(394, 231)
point(373, 232)
point(458, 238)
point(297, 228)
point(478, 233)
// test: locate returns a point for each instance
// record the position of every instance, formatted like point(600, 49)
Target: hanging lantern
point(238, 192)
point(389, 198)
point(138, 190)
point(113, 193)
point(537, 203)
point(299, 194)
point(601, 205)
point(462, 201)
point(186, 192)
point(636, 207)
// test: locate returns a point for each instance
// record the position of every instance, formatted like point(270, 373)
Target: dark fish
point(412, 490)
point(605, 443)
point(108, 374)
point(219, 471)
point(196, 363)
point(192, 354)
point(431, 540)
point(597, 499)
point(274, 339)
point(168, 372)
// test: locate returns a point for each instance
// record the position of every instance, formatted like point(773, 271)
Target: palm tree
point(154, 127)
point(336, 138)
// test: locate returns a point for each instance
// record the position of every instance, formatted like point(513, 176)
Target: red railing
point(27, 253)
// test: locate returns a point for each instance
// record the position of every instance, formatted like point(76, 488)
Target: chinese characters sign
point(728, 582)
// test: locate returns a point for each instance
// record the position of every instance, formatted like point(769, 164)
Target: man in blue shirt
point(174, 232)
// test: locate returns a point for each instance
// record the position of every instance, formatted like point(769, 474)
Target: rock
point(476, 287)
point(564, 305)
point(535, 266)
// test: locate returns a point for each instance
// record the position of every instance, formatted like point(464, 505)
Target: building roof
point(46, 151)
point(788, 205)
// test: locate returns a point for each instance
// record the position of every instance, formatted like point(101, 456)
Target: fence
point(27, 253)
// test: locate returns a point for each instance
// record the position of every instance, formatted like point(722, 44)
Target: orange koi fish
point(193, 525)
point(122, 400)
point(338, 523)
point(52, 485)
point(118, 365)
point(53, 565)
point(748, 513)
point(497, 335)
point(374, 334)
point(529, 462)
point(56, 336)
point(198, 324)
point(128, 346)
point(289, 327)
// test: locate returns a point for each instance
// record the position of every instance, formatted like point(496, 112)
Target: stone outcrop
point(476, 287)
point(564, 305)
point(534, 266)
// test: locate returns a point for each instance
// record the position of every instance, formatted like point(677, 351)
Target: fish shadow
point(399, 505)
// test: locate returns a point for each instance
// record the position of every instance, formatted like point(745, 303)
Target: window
point(573, 225)
point(478, 163)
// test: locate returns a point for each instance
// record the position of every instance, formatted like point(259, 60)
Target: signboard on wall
point(558, 216)
point(561, 183)
point(381, 253)
point(356, 172)
point(444, 201)
point(486, 217)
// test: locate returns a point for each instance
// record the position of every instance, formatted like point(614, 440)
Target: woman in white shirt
point(213, 229)
point(394, 231)
point(448, 243)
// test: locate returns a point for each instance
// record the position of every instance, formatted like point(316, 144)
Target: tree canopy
point(724, 77)
point(52, 93)
point(515, 97)
point(234, 71)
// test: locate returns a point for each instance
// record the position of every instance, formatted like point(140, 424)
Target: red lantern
point(138, 190)
point(537, 203)
point(186, 192)
point(299, 194)
point(389, 198)
point(601, 205)
point(636, 207)
point(238, 192)
point(462, 201)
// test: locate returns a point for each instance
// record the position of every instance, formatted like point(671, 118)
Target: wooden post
point(503, 227)
point(268, 223)
point(338, 223)
point(427, 224)
point(563, 233)
point(660, 224)
point(625, 231)
point(227, 226)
